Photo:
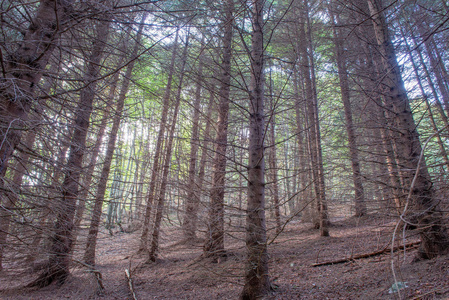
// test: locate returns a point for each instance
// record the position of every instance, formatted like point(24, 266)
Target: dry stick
point(366, 255)
point(436, 291)
point(130, 283)
point(97, 273)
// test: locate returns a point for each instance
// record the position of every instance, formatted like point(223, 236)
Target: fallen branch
point(130, 283)
point(366, 255)
point(437, 291)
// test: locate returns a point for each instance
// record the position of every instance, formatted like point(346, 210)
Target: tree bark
point(432, 87)
point(313, 125)
point(87, 180)
point(310, 214)
point(359, 199)
point(273, 163)
point(440, 143)
point(62, 242)
point(205, 148)
point(214, 243)
point(157, 154)
point(434, 237)
point(89, 254)
point(167, 162)
point(24, 71)
point(193, 194)
point(257, 281)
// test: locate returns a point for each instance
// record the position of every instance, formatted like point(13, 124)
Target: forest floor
point(181, 273)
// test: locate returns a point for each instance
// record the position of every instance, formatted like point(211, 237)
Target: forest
point(261, 149)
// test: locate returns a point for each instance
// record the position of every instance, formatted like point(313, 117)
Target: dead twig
point(130, 283)
point(366, 255)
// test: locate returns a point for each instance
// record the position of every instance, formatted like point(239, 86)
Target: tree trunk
point(193, 194)
point(273, 163)
point(379, 121)
point(257, 282)
point(313, 126)
point(89, 255)
point(157, 155)
point(437, 71)
point(24, 71)
point(434, 237)
point(432, 87)
point(443, 152)
point(304, 200)
point(59, 261)
point(87, 180)
point(167, 162)
point(205, 149)
point(214, 243)
point(141, 181)
point(359, 199)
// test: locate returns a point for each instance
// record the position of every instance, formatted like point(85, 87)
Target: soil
point(181, 273)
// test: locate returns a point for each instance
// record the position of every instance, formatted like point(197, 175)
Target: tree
point(167, 160)
point(62, 241)
point(256, 270)
point(313, 126)
point(89, 255)
point(21, 75)
point(359, 199)
point(434, 237)
point(157, 154)
point(272, 161)
point(214, 243)
point(194, 194)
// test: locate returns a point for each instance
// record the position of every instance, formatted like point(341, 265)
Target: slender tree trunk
point(167, 162)
point(432, 87)
point(205, 149)
point(437, 71)
point(273, 162)
point(274, 178)
point(440, 62)
point(443, 152)
point(87, 180)
point(193, 194)
point(301, 156)
point(290, 187)
point(89, 254)
point(157, 155)
point(434, 237)
point(359, 200)
point(257, 281)
point(322, 205)
point(59, 261)
point(214, 244)
point(143, 170)
point(313, 126)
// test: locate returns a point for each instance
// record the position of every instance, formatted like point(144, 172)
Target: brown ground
point(180, 273)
